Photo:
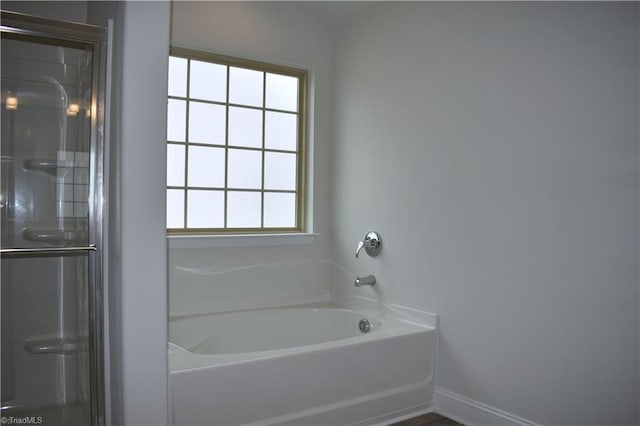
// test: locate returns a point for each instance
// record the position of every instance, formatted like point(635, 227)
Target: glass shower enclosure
point(51, 195)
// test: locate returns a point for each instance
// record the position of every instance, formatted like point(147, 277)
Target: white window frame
point(301, 178)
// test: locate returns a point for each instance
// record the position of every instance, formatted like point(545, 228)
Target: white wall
point(223, 278)
point(495, 148)
point(73, 11)
point(142, 195)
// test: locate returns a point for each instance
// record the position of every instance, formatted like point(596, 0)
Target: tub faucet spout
point(368, 280)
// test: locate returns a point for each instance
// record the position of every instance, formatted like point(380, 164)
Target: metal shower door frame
point(35, 29)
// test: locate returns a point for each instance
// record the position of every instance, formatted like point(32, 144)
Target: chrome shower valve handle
point(372, 244)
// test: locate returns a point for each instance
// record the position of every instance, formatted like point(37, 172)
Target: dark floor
point(431, 419)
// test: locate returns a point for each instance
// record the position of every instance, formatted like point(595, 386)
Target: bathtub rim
point(376, 323)
point(359, 304)
point(181, 360)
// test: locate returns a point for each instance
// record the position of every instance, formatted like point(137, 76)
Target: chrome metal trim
point(364, 325)
point(18, 23)
point(57, 345)
point(47, 250)
point(368, 280)
point(372, 244)
point(97, 197)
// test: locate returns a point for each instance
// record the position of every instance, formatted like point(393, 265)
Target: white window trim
point(239, 240)
point(302, 228)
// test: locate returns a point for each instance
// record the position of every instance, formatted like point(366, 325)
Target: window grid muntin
point(264, 104)
point(185, 224)
point(300, 114)
point(226, 152)
point(206, 101)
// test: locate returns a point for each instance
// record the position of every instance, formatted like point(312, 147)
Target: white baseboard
point(473, 413)
point(397, 416)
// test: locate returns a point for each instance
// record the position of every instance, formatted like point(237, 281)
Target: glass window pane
point(245, 169)
point(176, 119)
point(208, 81)
point(245, 86)
point(279, 171)
point(206, 123)
point(245, 127)
point(282, 92)
point(175, 165)
point(279, 210)
point(175, 208)
point(205, 209)
point(236, 135)
point(280, 131)
point(206, 167)
point(243, 209)
point(177, 76)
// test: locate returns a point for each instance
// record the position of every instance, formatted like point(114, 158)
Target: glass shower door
point(48, 228)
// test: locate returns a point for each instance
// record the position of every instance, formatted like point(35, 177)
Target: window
point(235, 145)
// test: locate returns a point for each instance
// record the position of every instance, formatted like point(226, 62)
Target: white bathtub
point(302, 366)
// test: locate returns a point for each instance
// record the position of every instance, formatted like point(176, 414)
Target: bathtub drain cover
point(364, 325)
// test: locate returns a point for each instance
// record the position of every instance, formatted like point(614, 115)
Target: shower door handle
point(46, 251)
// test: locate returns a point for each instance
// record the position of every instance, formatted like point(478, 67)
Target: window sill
point(248, 240)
